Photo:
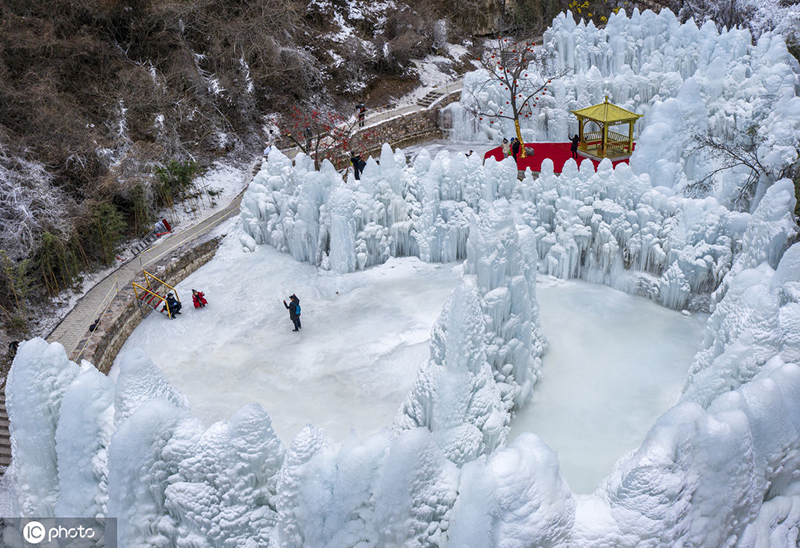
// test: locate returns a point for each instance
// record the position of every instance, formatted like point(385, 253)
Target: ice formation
point(682, 78)
point(720, 468)
point(611, 226)
point(485, 347)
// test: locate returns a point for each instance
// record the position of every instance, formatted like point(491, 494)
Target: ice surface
point(350, 366)
point(614, 363)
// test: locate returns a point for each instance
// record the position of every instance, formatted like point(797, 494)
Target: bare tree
point(741, 151)
point(521, 70)
point(325, 134)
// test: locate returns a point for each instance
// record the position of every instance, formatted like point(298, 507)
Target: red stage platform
point(558, 152)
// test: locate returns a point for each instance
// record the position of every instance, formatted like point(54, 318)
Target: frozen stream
point(615, 362)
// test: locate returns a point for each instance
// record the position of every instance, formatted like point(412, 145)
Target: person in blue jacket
point(294, 311)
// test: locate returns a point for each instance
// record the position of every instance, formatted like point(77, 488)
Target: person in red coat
point(198, 299)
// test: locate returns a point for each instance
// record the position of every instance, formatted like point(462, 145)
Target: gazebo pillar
point(630, 136)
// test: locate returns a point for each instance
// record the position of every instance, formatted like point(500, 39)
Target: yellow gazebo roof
point(607, 113)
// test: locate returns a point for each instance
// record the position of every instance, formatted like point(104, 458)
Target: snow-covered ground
point(614, 363)
point(350, 367)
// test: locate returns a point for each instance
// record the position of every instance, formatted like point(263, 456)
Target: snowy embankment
point(719, 468)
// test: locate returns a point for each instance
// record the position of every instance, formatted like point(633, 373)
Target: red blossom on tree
point(326, 135)
point(521, 70)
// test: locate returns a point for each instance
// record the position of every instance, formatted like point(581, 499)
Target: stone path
point(73, 329)
point(5, 438)
point(379, 116)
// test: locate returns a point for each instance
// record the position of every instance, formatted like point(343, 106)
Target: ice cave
point(450, 301)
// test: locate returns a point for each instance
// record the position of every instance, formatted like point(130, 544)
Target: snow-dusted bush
point(29, 206)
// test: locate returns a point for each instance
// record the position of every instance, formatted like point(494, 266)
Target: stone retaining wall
point(124, 314)
point(402, 131)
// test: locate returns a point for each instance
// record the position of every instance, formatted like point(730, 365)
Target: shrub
point(108, 224)
point(175, 181)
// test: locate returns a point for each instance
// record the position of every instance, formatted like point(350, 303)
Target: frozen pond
point(351, 365)
point(614, 363)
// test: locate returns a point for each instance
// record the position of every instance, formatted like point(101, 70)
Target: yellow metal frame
point(149, 290)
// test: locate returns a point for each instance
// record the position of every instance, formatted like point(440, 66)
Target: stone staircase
point(145, 242)
point(5, 437)
point(430, 98)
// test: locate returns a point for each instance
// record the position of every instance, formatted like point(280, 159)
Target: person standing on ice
point(294, 311)
point(506, 147)
point(574, 148)
point(358, 164)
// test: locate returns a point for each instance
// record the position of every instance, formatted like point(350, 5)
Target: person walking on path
point(574, 147)
point(198, 299)
point(362, 112)
point(506, 147)
point(515, 148)
point(294, 311)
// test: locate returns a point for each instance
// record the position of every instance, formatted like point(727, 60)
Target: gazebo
point(604, 142)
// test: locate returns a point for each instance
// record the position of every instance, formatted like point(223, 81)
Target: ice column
point(454, 395)
point(503, 265)
point(37, 382)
